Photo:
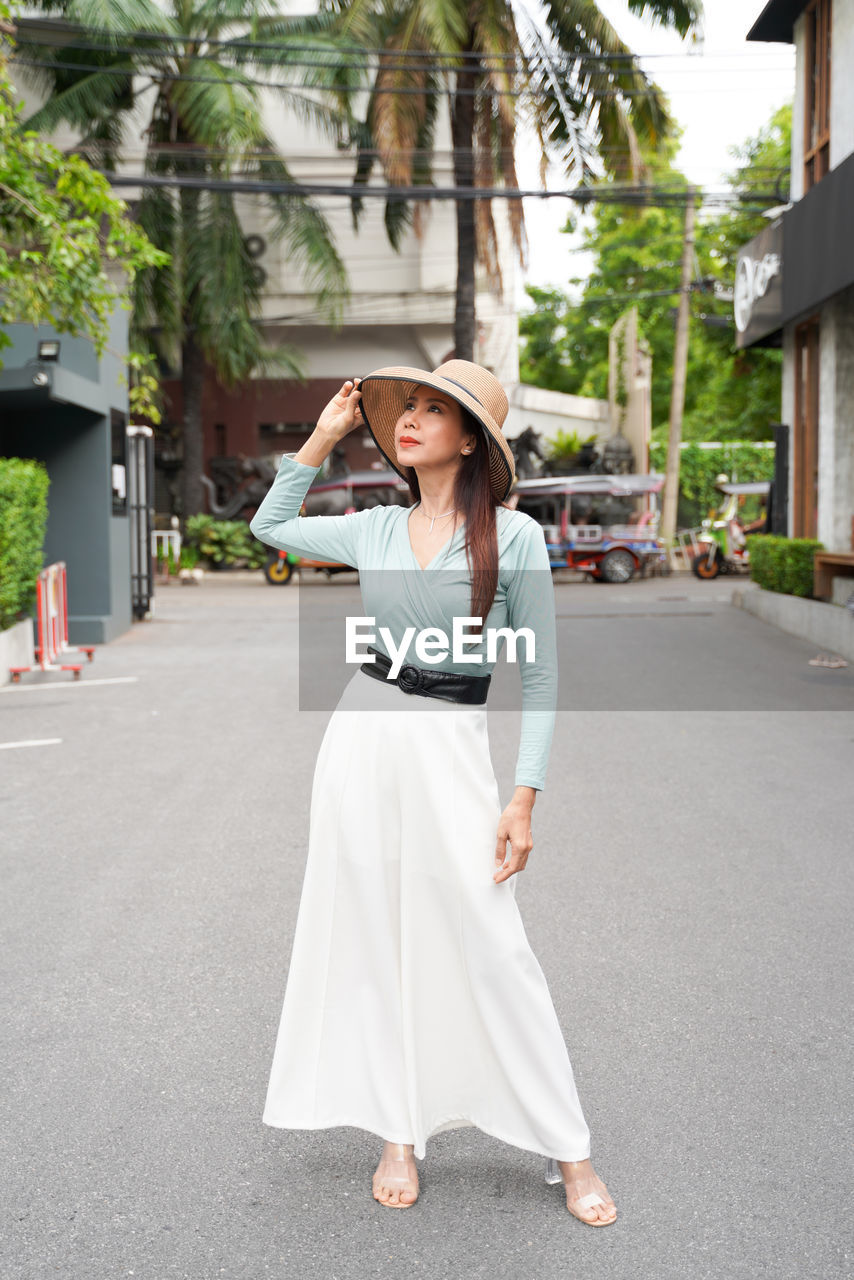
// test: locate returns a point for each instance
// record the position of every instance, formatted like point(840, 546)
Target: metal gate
point(140, 510)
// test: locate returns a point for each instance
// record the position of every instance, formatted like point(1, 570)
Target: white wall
point(841, 81)
point(551, 411)
point(841, 91)
point(796, 178)
point(836, 429)
point(401, 309)
point(787, 412)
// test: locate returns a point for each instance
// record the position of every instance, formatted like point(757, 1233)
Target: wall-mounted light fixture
point(40, 379)
point(49, 349)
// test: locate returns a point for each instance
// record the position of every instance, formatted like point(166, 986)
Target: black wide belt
point(430, 684)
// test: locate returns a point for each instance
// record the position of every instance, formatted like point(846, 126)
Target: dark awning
point(818, 245)
point(776, 21)
point(815, 246)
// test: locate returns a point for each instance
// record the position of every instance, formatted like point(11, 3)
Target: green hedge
point(23, 519)
point(783, 564)
point(225, 542)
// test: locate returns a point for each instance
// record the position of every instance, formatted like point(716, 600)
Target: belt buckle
point(410, 678)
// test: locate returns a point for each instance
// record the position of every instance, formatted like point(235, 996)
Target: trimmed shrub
point(23, 520)
point(225, 542)
point(783, 564)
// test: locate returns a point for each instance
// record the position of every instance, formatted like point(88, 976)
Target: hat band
point(468, 393)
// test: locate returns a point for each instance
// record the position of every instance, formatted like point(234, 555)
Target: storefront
point(795, 281)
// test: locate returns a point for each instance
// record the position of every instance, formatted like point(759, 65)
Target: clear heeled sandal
point(554, 1176)
point(400, 1179)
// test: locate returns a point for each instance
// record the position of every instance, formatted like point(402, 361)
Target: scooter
point(721, 541)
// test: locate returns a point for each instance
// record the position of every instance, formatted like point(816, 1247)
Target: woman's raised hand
point(342, 414)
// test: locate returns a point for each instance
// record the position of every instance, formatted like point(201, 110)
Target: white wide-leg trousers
point(414, 1002)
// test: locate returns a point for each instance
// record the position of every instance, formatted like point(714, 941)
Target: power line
point(342, 152)
point(356, 51)
point(337, 88)
point(583, 195)
point(334, 60)
point(245, 81)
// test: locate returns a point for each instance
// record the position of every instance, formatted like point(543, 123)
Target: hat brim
point(383, 400)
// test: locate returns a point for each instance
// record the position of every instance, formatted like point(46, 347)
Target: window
point(118, 460)
point(817, 112)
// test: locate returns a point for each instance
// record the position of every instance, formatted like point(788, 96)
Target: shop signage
point(758, 302)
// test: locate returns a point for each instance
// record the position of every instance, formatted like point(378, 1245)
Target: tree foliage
point(497, 62)
point(636, 262)
point(184, 78)
point(61, 228)
point(741, 460)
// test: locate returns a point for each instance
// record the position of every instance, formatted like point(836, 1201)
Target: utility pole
point(680, 367)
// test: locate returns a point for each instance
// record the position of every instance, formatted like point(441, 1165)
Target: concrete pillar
point(836, 423)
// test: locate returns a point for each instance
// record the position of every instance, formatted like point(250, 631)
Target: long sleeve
point(278, 522)
point(530, 603)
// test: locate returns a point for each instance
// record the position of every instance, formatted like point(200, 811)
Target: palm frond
point(444, 24)
point(396, 122)
point(84, 101)
point(398, 215)
point(496, 38)
point(332, 118)
point(221, 289)
point(682, 15)
point(366, 157)
point(113, 19)
point(483, 176)
point(214, 114)
point(593, 89)
point(159, 291)
point(558, 112)
point(515, 210)
point(284, 361)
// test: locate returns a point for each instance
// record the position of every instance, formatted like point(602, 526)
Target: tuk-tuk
point(603, 525)
point(338, 495)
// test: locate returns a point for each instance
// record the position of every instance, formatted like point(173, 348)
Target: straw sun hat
point(386, 391)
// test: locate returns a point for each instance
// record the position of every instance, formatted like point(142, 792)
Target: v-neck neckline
point(444, 547)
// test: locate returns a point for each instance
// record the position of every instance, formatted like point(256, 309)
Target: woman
point(414, 1003)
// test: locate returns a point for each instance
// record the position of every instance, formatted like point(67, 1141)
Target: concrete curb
point(16, 648)
point(830, 626)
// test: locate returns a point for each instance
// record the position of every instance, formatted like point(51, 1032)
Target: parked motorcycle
point(352, 492)
point(719, 545)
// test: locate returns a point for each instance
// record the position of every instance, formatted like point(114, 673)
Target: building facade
point(795, 281)
point(400, 310)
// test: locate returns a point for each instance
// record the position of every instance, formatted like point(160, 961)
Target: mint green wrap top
point(398, 593)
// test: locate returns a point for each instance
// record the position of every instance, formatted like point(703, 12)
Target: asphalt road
point(689, 897)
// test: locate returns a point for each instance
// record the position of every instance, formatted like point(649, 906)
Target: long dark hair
point(474, 497)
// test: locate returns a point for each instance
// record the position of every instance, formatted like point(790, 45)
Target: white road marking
point(33, 742)
point(67, 684)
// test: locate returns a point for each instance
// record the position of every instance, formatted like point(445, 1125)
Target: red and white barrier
point(52, 620)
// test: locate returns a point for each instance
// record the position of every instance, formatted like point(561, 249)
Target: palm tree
point(184, 79)
point(497, 61)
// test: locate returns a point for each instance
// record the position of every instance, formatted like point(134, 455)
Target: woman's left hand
point(513, 825)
